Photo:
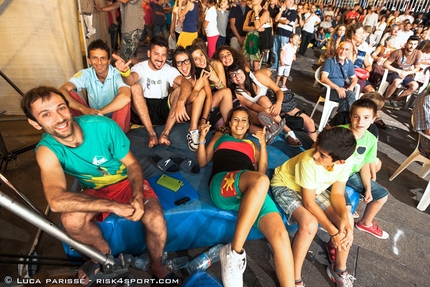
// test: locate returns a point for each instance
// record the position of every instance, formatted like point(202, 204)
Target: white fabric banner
point(40, 45)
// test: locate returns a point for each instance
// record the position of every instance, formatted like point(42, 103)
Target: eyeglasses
point(179, 63)
point(235, 73)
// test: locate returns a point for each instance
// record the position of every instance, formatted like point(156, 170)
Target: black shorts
point(392, 76)
point(158, 111)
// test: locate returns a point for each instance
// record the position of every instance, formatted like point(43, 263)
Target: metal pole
point(51, 228)
point(22, 196)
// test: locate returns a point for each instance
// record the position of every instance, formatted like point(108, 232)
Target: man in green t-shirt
point(94, 150)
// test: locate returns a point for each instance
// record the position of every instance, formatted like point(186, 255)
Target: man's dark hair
point(364, 103)
point(338, 142)
point(158, 41)
point(98, 44)
point(414, 38)
point(41, 92)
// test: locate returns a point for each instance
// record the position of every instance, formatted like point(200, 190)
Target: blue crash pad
point(195, 224)
point(201, 279)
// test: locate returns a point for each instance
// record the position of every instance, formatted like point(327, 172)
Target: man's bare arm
point(61, 200)
point(122, 99)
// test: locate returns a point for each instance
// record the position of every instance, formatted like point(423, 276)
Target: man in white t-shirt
point(150, 82)
point(311, 19)
point(371, 19)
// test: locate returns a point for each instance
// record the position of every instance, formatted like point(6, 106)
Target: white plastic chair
point(416, 156)
point(328, 104)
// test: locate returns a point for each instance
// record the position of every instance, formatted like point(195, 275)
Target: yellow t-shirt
point(302, 172)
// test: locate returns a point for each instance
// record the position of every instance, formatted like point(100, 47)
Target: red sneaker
point(331, 252)
point(374, 229)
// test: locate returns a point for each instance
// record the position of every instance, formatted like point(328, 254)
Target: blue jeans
point(163, 29)
point(278, 42)
point(377, 191)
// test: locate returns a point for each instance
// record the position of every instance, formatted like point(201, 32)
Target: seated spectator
point(394, 29)
point(336, 21)
point(361, 53)
point(402, 65)
point(152, 103)
point(238, 182)
point(319, 38)
point(405, 33)
point(338, 73)
point(371, 19)
point(326, 24)
point(407, 16)
point(353, 15)
point(424, 64)
point(363, 113)
point(421, 114)
point(300, 187)
point(335, 39)
point(328, 12)
point(379, 29)
point(424, 38)
point(95, 151)
point(380, 55)
point(251, 91)
point(107, 94)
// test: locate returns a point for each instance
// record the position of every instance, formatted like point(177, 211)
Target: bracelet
point(203, 142)
point(125, 74)
point(335, 234)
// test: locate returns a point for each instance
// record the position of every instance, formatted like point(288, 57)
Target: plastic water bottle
point(176, 263)
point(142, 262)
point(205, 260)
point(125, 260)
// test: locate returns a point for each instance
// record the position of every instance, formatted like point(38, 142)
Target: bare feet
point(164, 139)
point(152, 141)
point(88, 271)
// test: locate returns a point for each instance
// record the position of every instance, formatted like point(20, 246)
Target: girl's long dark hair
point(180, 50)
point(225, 128)
point(248, 81)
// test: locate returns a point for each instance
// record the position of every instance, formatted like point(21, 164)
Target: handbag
point(362, 73)
point(288, 102)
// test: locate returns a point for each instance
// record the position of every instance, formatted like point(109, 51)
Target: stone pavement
point(401, 260)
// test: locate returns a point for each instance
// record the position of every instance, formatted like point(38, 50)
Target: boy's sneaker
point(193, 138)
point(300, 284)
point(395, 105)
point(284, 88)
point(331, 252)
point(373, 229)
point(232, 266)
point(388, 105)
point(343, 279)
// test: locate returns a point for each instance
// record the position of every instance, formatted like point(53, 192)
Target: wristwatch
point(256, 18)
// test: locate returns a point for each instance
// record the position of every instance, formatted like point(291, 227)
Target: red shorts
point(119, 192)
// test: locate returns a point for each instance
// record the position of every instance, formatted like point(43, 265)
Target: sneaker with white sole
point(232, 266)
point(373, 229)
point(193, 138)
point(343, 279)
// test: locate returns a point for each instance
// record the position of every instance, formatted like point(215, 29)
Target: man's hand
point(123, 210)
point(91, 111)
point(241, 40)
point(341, 92)
point(120, 64)
point(180, 113)
point(137, 204)
point(275, 109)
point(367, 196)
point(402, 74)
point(345, 233)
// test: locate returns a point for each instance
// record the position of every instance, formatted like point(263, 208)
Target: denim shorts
point(355, 182)
point(289, 200)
